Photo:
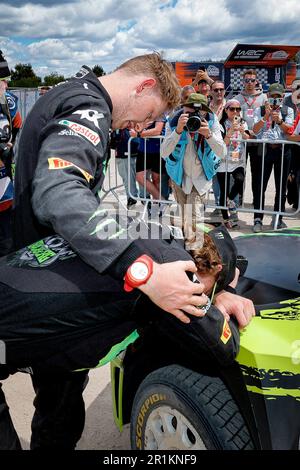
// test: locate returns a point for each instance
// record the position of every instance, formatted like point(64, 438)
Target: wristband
point(230, 289)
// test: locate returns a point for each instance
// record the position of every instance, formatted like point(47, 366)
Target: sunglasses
point(249, 80)
point(216, 90)
point(234, 109)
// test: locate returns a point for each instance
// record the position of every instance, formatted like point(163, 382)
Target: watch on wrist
point(138, 273)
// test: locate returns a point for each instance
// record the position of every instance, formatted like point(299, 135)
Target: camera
point(275, 101)
point(238, 120)
point(193, 123)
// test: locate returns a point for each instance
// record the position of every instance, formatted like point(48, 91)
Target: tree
point(53, 79)
point(98, 70)
point(24, 76)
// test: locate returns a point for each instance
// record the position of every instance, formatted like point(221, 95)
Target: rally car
point(176, 401)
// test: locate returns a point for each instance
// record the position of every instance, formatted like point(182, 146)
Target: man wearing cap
point(192, 157)
point(272, 122)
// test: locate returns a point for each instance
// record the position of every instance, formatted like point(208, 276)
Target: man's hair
point(207, 257)
point(215, 82)
point(249, 72)
point(160, 69)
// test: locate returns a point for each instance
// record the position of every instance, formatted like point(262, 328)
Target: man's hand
point(231, 304)
point(181, 122)
point(204, 129)
point(170, 289)
point(202, 75)
point(276, 116)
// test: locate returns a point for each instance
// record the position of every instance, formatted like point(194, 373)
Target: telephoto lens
point(193, 123)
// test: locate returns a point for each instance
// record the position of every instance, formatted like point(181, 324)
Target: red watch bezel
point(130, 281)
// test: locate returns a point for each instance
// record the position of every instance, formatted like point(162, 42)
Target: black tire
point(174, 400)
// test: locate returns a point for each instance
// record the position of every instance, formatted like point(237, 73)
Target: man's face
point(250, 83)
point(3, 86)
point(203, 88)
point(218, 91)
point(138, 110)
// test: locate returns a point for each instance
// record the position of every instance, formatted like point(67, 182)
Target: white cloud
point(61, 36)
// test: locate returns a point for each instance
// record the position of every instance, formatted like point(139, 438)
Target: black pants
point(5, 232)
point(260, 182)
point(238, 176)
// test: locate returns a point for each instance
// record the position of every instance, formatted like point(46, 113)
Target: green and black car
point(177, 402)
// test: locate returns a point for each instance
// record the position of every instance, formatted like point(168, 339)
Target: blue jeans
point(130, 184)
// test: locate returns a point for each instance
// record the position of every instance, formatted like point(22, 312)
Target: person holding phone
point(272, 122)
point(235, 128)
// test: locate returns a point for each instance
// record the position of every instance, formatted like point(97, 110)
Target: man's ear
point(146, 85)
point(219, 267)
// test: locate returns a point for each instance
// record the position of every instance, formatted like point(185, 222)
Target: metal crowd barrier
point(26, 99)
point(113, 181)
point(252, 210)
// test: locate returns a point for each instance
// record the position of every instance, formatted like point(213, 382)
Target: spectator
point(251, 99)
point(234, 128)
point(292, 100)
point(185, 93)
point(192, 158)
point(119, 142)
point(217, 105)
point(152, 163)
point(10, 123)
point(294, 176)
point(202, 82)
point(43, 89)
point(272, 122)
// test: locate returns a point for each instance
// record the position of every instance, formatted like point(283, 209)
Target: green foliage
point(24, 76)
point(53, 79)
point(98, 70)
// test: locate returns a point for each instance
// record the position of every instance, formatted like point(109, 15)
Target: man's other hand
point(231, 304)
point(170, 289)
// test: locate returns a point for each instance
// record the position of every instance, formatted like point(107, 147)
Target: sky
point(61, 35)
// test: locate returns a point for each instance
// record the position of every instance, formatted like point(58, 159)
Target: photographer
point(272, 122)
point(193, 147)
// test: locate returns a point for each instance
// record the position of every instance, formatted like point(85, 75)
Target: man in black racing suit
point(60, 167)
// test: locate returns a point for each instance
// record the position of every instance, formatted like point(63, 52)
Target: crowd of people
point(70, 289)
point(232, 121)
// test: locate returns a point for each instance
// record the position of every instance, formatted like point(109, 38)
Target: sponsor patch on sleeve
point(56, 163)
point(226, 332)
point(81, 130)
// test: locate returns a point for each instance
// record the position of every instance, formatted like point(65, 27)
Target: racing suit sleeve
point(71, 161)
point(210, 336)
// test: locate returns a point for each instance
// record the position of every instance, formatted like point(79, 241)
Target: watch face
point(139, 271)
